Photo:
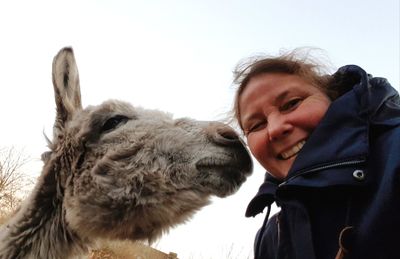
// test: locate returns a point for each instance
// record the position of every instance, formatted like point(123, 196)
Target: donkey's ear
point(66, 88)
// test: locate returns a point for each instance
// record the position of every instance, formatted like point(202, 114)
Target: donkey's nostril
point(227, 133)
point(222, 134)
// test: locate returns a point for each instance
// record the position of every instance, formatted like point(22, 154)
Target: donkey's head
point(127, 172)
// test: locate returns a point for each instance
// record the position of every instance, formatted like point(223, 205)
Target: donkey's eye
point(114, 122)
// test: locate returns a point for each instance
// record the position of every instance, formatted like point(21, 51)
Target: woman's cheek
point(257, 145)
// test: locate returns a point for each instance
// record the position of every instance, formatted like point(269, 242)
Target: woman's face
point(278, 112)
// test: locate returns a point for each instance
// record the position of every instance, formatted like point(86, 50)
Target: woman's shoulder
point(271, 228)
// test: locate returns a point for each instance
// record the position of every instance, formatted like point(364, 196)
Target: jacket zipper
point(323, 167)
point(279, 228)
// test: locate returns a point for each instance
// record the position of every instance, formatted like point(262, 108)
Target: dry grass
point(3, 219)
point(128, 250)
point(4, 216)
point(119, 249)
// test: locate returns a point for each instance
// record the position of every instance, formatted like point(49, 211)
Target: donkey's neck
point(38, 229)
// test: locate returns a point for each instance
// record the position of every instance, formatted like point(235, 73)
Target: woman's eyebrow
point(248, 119)
point(278, 99)
point(281, 96)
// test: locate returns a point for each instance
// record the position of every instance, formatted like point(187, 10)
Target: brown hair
point(294, 63)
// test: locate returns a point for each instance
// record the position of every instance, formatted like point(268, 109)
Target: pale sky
point(177, 56)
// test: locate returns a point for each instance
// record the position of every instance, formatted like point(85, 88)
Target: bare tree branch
point(12, 178)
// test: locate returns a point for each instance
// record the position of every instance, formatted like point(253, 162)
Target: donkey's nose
point(223, 134)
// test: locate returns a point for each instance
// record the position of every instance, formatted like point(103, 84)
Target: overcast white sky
point(177, 56)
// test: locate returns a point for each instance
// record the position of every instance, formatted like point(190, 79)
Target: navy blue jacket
point(344, 186)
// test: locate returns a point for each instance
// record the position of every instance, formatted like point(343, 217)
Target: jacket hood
point(341, 136)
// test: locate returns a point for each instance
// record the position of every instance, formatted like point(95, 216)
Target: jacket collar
point(265, 196)
point(342, 135)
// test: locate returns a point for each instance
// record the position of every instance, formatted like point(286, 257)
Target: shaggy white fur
point(119, 172)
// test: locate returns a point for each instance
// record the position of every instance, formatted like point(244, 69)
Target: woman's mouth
point(292, 151)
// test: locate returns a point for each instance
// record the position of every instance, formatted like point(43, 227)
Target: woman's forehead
point(272, 89)
point(275, 85)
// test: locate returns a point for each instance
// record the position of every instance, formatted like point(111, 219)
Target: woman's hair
point(295, 62)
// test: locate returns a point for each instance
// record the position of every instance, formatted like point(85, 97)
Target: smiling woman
point(325, 141)
point(278, 113)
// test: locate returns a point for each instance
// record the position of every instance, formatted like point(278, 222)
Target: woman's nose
point(278, 127)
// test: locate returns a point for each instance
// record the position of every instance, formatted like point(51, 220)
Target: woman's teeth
point(293, 151)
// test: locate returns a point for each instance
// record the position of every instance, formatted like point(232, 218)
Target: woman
point(331, 148)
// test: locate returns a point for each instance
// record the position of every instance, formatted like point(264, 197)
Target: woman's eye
point(113, 122)
point(255, 127)
point(291, 104)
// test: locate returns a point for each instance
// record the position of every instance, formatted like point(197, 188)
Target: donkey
point(115, 171)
